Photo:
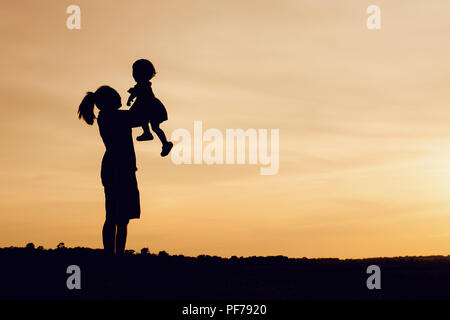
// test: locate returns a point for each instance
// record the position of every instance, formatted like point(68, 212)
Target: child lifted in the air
point(147, 106)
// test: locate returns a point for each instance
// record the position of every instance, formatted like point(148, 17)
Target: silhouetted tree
point(30, 246)
point(144, 251)
point(60, 246)
point(163, 254)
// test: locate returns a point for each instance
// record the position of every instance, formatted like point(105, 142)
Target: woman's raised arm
point(131, 118)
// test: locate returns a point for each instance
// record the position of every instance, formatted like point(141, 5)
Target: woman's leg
point(109, 236)
point(121, 237)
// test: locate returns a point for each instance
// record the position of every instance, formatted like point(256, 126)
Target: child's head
point(143, 70)
point(105, 98)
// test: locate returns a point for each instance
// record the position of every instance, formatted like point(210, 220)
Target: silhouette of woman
point(118, 171)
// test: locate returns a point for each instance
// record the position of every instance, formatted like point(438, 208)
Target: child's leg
point(146, 129)
point(146, 135)
point(166, 145)
point(156, 129)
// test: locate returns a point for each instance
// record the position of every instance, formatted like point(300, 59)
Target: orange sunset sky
point(363, 115)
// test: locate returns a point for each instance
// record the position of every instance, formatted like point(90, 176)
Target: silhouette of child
point(147, 106)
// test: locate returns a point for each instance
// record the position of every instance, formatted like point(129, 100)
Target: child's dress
point(147, 106)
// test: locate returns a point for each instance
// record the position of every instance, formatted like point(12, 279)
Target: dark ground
point(27, 273)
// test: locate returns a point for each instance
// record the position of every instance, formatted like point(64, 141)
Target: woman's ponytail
point(86, 108)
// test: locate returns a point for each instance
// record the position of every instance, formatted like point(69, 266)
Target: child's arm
point(132, 92)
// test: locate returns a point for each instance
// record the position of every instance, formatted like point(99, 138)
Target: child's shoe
point(166, 149)
point(145, 137)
